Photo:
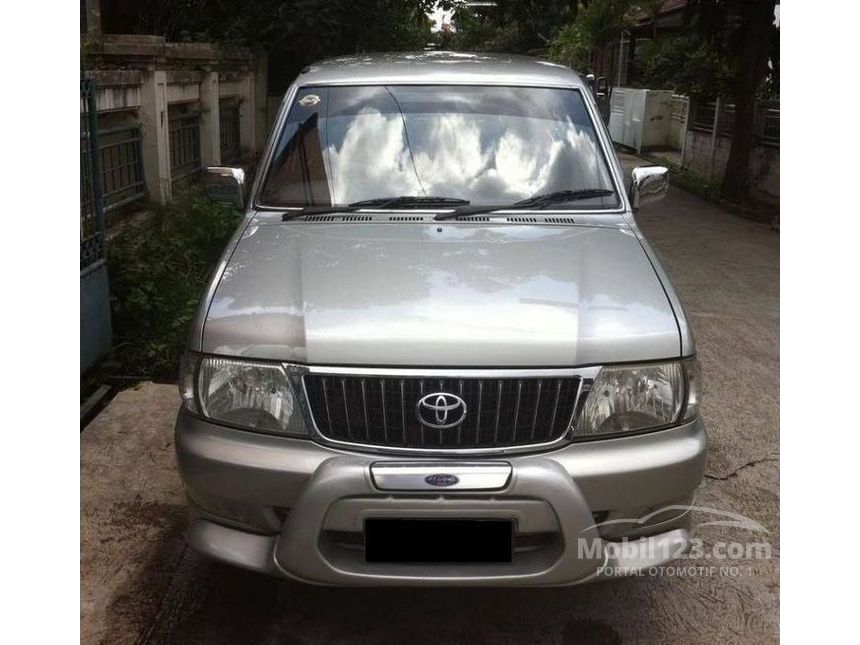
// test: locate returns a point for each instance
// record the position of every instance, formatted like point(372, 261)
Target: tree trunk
point(757, 22)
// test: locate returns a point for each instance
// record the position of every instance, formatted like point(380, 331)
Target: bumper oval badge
point(441, 479)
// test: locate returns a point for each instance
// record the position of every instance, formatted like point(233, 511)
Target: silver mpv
point(438, 350)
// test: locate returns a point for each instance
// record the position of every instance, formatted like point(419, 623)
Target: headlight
point(632, 398)
point(246, 394)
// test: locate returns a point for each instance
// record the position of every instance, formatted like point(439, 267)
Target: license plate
point(437, 541)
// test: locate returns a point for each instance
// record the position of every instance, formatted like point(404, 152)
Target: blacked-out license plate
point(427, 540)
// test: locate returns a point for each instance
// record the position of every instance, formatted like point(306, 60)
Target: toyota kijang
point(438, 349)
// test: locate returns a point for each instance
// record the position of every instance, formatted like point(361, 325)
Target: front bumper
point(294, 508)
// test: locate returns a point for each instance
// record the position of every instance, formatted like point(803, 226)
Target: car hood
point(399, 294)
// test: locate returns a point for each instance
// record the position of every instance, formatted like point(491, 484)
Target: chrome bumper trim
point(390, 475)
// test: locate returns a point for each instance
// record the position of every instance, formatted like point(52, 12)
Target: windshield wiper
point(408, 200)
point(465, 211)
point(535, 201)
point(541, 201)
point(404, 201)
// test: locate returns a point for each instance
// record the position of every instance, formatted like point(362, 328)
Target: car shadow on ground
point(209, 602)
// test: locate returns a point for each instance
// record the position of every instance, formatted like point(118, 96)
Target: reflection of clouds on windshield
point(372, 161)
point(480, 157)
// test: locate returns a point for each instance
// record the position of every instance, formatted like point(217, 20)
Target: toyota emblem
point(441, 410)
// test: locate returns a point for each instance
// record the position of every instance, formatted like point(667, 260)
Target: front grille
point(501, 412)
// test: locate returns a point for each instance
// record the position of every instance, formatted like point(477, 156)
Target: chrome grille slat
point(537, 409)
point(498, 413)
point(345, 408)
point(421, 393)
point(364, 406)
point(478, 418)
point(517, 409)
point(379, 410)
point(555, 407)
point(325, 392)
point(384, 415)
point(403, 408)
point(459, 427)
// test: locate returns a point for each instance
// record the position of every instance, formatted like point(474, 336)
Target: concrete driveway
point(139, 583)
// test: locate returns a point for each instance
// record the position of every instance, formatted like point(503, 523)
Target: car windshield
point(482, 144)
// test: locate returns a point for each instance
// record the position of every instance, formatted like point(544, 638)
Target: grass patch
point(158, 272)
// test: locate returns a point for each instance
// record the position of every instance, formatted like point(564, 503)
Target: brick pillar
point(210, 120)
point(155, 140)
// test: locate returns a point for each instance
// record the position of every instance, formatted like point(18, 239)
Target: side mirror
point(225, 185)
point(589, 78)
point(649, 184)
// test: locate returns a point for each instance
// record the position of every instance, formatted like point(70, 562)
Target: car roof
point(438, 67)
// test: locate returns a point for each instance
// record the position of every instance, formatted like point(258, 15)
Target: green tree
point(754, 37)
point(597, 25)
point(513, 26)
point(703, 75)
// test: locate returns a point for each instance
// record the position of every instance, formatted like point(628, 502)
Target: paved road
point(141, 584)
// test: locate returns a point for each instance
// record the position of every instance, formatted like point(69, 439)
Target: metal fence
point(184, 134)
point(704, 115)
point(121, 166)
point(92, 204)
point(767, 123)
point(94, 291)
point(229, 132)
point(678, 115)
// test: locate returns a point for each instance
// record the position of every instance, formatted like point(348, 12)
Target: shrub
point(157, 275)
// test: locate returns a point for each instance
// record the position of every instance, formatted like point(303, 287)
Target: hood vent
point(469, 219)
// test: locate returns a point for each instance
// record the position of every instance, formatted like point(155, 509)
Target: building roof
point(438, 67)
point(669, 6)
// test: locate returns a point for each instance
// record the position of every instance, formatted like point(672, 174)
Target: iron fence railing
point(766, 119)
point(703, 116)
point(767, 123)
point(184, 135)
point(92, 204)
point(121, 166)
point(229, 133)
point(679, 108)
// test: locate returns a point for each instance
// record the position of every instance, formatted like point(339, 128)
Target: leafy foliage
point(570, 47)
point(511, 26)
point(689, 65)
point(597, 25)
point(157, 274)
